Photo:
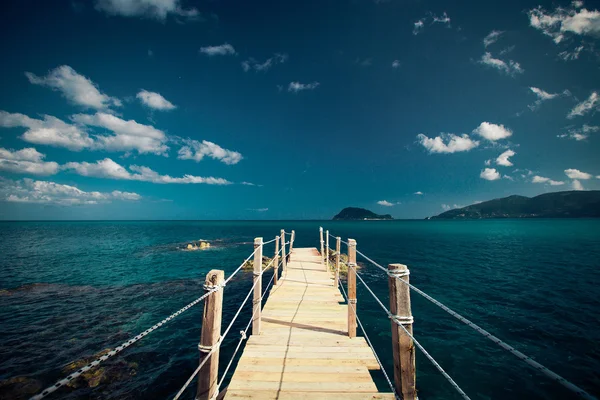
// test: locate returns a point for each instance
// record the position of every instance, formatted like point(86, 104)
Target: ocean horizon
point(72, 289)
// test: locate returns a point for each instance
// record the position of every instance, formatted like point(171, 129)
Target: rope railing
point(528, 360)
point(222, 337)
point(399, 323)
point(131, 341)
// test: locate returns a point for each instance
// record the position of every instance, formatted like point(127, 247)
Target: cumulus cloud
point(591, 103)
point(221, 50)
point(127, 135)
point(490, 174)
point(385, 203)
point(253, 64)
point(542, 96)
point(447, 143)
point(396, 64)
point(510, 68)
point(50, 131)
point(153, 9)
point(46, 192)
point(155, 100)
point(564, 22)
point(580, 133)
point(296, 87)
point(492, 132)
point(577, 174)
point(418, 26)
point(492, 38)
point(75, 87)
point(107, 168)
point(418, 193)
point(576, 185)
point(542, 179)
point(196, 150)
point(26, 161)
point(503, 159)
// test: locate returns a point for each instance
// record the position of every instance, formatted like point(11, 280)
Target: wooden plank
point(303, 350)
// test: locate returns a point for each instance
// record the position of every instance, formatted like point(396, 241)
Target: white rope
point(387, 378)
point(131, 341)
point(218, 344)
point(531, 362)
point(270, 241)
point(405, 319)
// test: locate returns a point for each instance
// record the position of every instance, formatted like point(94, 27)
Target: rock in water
point(190, 247)
point(19, 388)
point(106, 373)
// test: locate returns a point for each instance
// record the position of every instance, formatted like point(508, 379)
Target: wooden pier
point(303, 349)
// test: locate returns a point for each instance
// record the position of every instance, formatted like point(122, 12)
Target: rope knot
point(401, 319)
point(396, 273)
point(244, 337)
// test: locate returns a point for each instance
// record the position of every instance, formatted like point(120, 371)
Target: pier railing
point(403, 384)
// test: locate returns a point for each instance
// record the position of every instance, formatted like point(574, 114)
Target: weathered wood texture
point(402, 345)
point(256, 309)
point(211, 332)
point(303, 351)
point(276, 262)
point(351, 288)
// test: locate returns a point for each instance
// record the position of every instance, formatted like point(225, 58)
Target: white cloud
point(128, 135)
point(107, 168)
point(298, 87)
point(418, 193)
point(251, 63)
point(419, 25)
point(396, 64)
point(50, 131)
point(489, 174)
point(447, 207)
point(26, 161)
point(154, 9)
point(492, 38)
point(454, 143)
point(385, 203)
point(564, 22)
point(585, 106)
point(541, 179)
point(543, 96)
point(577, 185)
point(155, 100)
point(492, 132)
point(503, 159)
point(196, 150)
point(75, 87)
point(46, 192)
point(221, 50)
point(577, 174)
point(580, 134)
point(570, 55)
point(511, 68)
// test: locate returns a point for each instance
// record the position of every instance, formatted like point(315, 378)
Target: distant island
point(355, 214)
point(571, 204)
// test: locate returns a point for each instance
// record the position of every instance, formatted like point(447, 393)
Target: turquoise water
point(72, 289)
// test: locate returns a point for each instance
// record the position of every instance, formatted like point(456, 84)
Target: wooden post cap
point(258, 241)
point(214, 278)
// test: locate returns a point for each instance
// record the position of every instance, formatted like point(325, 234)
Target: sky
point(181, 109)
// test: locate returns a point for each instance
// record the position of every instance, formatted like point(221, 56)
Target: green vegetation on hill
point(571, 204)
point(355, 213)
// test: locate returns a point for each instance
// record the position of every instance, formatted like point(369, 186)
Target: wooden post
point(327, 249)
point(293, 237)
point(351, 288)
point(402, 345)
point(258, 245)
point(211, 333)
point(321, 238)
point(276, 261)
point(283, 260)
point(338, 245)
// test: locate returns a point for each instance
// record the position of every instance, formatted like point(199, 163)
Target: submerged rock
point(19, 388)
point(105, 373)
point(249, 265)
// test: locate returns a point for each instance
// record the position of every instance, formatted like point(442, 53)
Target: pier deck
point(303, 350)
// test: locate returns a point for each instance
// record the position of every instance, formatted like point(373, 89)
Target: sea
point(69, 290)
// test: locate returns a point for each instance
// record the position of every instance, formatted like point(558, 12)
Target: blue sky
point(174, 109)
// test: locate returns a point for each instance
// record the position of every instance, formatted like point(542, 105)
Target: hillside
point(355, 214)
point(571, 204)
